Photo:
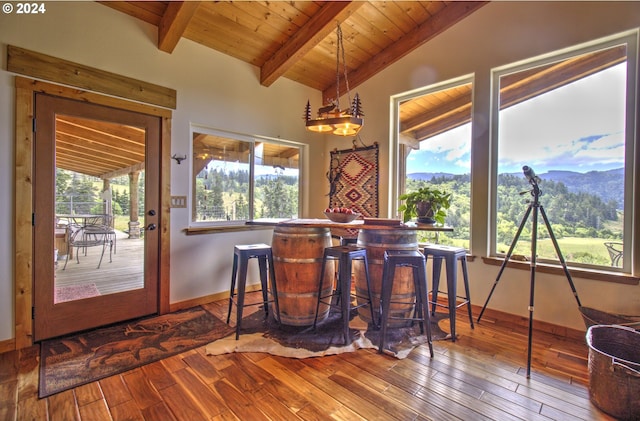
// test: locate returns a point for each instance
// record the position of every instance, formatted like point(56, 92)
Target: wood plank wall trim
point(41, 66)
point(22, 229)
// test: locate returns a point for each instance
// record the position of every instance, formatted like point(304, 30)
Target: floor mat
point(75, 292)
point(78, 359)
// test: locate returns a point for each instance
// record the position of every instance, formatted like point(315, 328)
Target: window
point(569, 117)
point(239, 178)
point(434, 134)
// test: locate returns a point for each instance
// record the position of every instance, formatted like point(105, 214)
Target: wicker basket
point(591, 317)
point(614, 370)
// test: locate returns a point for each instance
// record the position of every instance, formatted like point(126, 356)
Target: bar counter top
point(368, 224)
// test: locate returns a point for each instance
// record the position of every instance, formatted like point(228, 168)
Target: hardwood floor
point(480, 376)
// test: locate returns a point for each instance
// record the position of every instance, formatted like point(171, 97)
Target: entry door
point(96, 168)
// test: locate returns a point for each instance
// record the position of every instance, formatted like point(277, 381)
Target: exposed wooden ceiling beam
point(515, 88)
point(424, 119)
point(101, 151)
point(445, 123)
point(303, 41)
point(174, 22)
point(123, 171)
point(447, 17)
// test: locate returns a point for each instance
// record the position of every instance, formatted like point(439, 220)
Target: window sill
point(225, 228)
point(619, 278)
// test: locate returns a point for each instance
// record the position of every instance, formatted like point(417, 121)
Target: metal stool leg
point(465, 277)
point(274, 287)
point(324, 264)
point(452, 293)
point(365, 262)
point(344, 279)
point(388, 273)
point(242, 284)
point(262, 264)
point(422, 301)
point(234, 273)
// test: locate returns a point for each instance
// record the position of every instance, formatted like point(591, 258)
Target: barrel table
point(298, 246)
point(297, 259)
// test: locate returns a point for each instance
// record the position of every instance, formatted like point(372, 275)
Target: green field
point(584, 250)
point(574, 249)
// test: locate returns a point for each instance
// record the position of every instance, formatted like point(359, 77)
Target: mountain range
point(608, 185)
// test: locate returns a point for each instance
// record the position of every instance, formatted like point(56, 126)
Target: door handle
point(151, 227)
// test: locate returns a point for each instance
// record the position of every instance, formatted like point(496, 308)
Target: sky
point(578, 127)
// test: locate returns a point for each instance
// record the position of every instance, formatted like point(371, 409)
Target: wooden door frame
point(23, 194)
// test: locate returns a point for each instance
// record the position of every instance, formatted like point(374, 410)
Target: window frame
point(632, 161)
point(252, 140)
point(397, 155)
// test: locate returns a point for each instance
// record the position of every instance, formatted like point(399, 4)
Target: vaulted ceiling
point(297, 40)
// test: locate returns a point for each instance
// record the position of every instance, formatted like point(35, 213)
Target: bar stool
point(345, 241)
point(345, 255)
point(450, 255)
point(415, 260)
point(241, 256)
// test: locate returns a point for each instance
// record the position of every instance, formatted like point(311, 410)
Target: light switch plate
point(178, 201)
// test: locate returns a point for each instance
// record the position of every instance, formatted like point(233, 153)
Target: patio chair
point(83, 237)
point(103, 224)
point(615, 252)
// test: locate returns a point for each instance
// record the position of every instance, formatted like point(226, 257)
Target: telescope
point(530, 174)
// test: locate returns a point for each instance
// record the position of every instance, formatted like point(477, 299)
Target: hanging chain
point(340, 47)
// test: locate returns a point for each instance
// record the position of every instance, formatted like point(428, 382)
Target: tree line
point(224, 195)
point(77, 193)
point(570, 214)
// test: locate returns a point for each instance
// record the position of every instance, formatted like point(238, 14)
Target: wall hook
point(179, 159)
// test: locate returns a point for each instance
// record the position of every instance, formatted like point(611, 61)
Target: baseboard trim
point(503, 318)
point(181, 305)
point(7, 345)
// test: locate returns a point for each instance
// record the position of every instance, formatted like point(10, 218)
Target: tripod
point(534, 206)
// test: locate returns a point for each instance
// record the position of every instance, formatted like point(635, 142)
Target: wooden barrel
point(376, 241)
point(297, 259)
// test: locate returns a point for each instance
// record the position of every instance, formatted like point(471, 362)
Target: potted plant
point(428, 204)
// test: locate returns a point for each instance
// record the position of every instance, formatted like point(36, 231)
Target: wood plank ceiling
point(297, 40)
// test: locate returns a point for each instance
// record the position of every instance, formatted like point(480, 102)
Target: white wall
point(220, 92)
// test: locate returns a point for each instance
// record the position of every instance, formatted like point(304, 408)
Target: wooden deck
point(124, 272)
point(482, 376)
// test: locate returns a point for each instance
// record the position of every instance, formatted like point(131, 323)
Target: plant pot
point(425, 213)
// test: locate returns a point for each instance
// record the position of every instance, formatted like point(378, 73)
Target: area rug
point(75, 292)
point(75, 360)
point(266, 335)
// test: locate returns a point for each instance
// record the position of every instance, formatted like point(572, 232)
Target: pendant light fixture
point(330, 117)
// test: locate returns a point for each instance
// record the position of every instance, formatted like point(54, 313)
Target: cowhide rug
point(266, 335)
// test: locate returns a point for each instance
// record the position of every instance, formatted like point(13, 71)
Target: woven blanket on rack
point(353, 179)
